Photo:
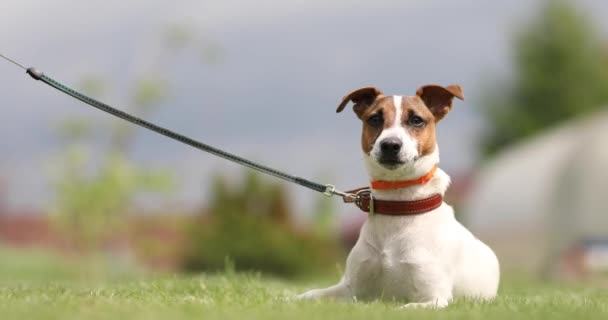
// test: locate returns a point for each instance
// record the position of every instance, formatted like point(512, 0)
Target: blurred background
point(526, 150)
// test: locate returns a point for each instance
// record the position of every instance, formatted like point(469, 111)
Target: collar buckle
point(365, 194)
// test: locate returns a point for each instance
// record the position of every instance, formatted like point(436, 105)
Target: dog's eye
point(416, 121)
point(375, 120)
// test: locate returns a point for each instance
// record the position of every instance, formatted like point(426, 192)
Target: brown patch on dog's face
point(379, 116)
point(411, 107)
point(414, 107)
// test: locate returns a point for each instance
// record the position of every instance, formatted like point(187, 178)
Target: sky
point(270, 96)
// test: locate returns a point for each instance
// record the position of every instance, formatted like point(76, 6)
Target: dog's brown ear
point(362, 99)
point(439, 99)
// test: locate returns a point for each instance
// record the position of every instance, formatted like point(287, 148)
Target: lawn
point(39, 287)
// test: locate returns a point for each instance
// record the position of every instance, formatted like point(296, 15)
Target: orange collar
point(387, 185)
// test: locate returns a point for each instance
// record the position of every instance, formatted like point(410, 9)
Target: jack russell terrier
point(411, 247)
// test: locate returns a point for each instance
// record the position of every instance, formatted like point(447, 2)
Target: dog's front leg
point(340, 291)
point(433, 287)
point(361, 266)
point(438, 303)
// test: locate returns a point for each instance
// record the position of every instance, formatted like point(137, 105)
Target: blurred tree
point(248, 227)
point(561, 71)
point(3, 195)
point(92, 207)
point(93, 194)
point(324, 217)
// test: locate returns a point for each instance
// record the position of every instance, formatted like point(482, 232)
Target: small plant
point(250, 225)
point(94, 190)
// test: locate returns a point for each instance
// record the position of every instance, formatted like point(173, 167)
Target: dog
point(425, 259)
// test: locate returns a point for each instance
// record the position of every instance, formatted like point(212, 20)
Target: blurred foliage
point(158, 239)
point(93, 85)
point(149, 91)
point(177, 36)
point(94, 190)
point(249, 227)
point(89, 208)
point(324, 217)
point(73, 129)
point(180, 36)
point(561, 71)
point(93, 194)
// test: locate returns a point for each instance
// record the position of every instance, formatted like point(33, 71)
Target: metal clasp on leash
point(358, 196)
point(350, 197)
point(365, 194)
point(330, 190)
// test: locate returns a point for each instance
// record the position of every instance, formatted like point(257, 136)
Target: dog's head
point(399, 131)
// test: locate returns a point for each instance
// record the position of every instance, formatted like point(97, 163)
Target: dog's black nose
point(390, 146)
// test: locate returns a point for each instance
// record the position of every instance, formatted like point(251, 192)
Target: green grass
point(39, 287)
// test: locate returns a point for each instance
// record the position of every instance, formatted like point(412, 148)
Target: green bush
point(249, 228)
point(560, 72)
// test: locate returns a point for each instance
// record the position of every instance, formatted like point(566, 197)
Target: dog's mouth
point(390, 163)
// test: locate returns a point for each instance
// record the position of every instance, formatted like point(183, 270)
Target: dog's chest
point(397, 253)
point(395, 279)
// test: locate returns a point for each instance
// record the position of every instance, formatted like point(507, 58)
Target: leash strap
point(327, 189)
point(38, 75)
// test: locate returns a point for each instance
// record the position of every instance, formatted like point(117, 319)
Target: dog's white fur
point(409, 150)
point(425, 259)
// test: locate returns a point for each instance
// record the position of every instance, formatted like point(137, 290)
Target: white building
point(540, 197)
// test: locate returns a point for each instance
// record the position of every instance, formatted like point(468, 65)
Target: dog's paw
point(434, 304)
point(285, 299)
point(308, 295)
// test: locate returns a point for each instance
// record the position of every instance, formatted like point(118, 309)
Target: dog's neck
point(438, 184)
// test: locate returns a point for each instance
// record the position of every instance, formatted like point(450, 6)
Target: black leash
point(327, 189)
